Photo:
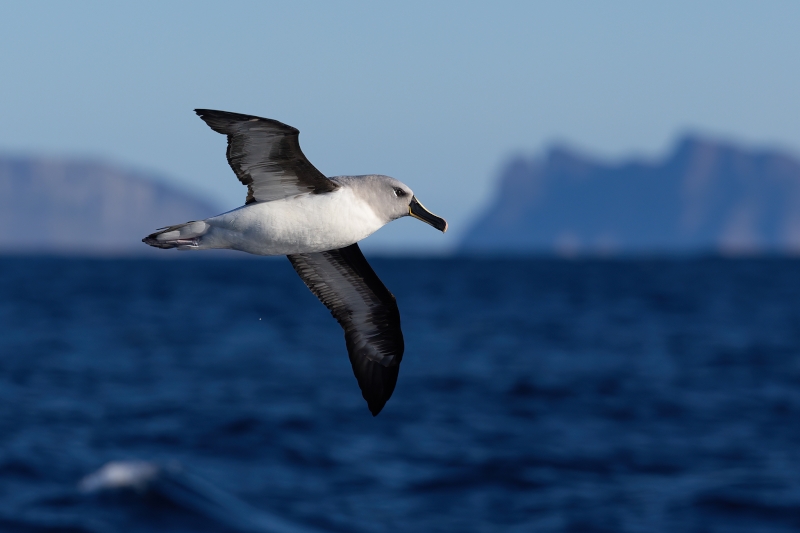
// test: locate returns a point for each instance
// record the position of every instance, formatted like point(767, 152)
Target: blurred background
point(607, 338)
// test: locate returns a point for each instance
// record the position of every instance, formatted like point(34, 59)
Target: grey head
point(390, 198)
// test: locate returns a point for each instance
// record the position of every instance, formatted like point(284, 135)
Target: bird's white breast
point(305, 223)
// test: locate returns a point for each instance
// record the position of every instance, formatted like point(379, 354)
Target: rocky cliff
point(704, 196)
point(80, 206)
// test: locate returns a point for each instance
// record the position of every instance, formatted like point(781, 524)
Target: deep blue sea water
point(535, 395)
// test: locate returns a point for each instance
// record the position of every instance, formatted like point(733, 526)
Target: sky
point(436, 94)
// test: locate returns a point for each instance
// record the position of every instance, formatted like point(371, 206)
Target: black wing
point(343, 280)
point(265, 155)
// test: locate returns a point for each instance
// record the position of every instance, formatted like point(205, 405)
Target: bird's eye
point(399, 192)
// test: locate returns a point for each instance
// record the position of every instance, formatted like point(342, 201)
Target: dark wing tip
point(223, 121)
point(214, 113)
point(376, 382)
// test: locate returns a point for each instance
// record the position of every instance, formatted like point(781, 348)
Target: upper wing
point(343, 280)
point(265, 155)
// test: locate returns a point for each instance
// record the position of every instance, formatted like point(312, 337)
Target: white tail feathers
point(181, 236)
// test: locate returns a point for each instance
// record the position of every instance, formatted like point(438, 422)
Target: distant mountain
point(706, 195)
point(80, 206)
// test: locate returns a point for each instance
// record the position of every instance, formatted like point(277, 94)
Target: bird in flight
point(292, 209)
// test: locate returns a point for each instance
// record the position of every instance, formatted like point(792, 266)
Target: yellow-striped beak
point(417, 210)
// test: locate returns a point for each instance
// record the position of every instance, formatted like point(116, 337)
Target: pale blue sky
point(436, 94)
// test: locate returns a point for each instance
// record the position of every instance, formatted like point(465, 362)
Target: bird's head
point(396, 200)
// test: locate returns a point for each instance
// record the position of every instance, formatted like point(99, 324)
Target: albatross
point(292, 209)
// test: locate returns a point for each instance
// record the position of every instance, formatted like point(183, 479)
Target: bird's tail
point(181, 236)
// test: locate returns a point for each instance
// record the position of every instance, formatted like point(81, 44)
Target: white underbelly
point(302, 224)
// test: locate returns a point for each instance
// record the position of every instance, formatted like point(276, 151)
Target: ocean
point(205, 395)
